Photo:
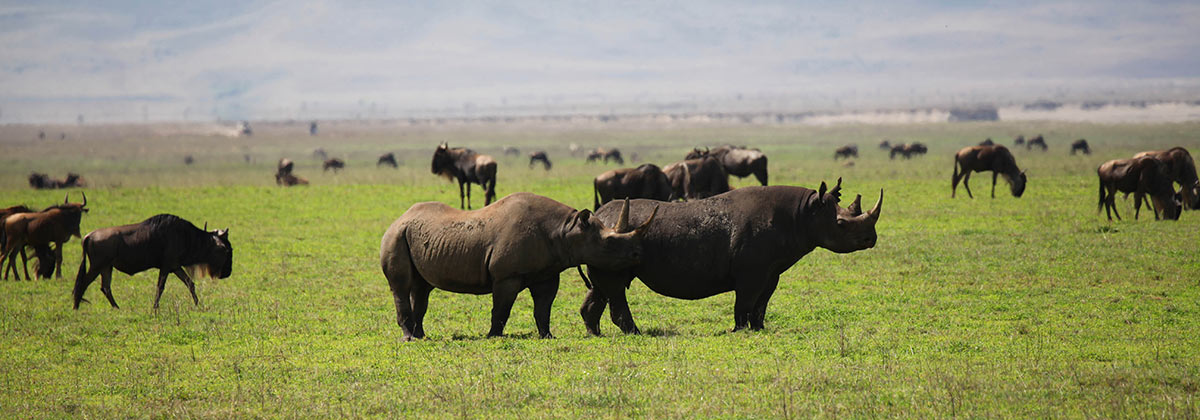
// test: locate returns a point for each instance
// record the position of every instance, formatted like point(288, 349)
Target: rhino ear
point(821, 190)
point(584, 218)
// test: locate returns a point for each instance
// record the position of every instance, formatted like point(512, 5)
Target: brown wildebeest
point(1019, 140)
point(606, 154)
point(285, 166)
point(523, 241)
point(740, 241)
point(44, 254)
point(539, 156)
point(697, 178)
point(886, 145)
point(987, 142)
point(335, 164)
point(645, 181)
point(188, 160)
point(1080, 145)
point(165, 242)
point(1141, 176)
point(995, 158)
point(289, 180)
point(846, 151)
point(1038, 141)
point(387, 159)
point(4, 213)
point(1182, 170)
point(738, 161)
point(54, 225)
point(467, 167)
point(42, 181)
point(907, 150)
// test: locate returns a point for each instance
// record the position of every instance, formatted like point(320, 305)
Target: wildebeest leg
point(966, 179)
point(592, 310)
point(106, 286)
point(954, 177)
point(504, 293)
point(419, 296)
point(58, 259)
point(994, 173)
point(191, 285)
point(461, 201)
point(543, 298)
point(1137, 207)
point(24, 264)
point(1112, 204)
point(760, 307)
point(162, 283)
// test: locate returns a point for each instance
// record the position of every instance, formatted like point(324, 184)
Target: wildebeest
point(1019, 140)
point(188, 160)
point(334, 163)
point(1141, 176)
point(523, 241)
point(244, 129)
point(511, 151)
point(42, 181)
point(739, 241)
point(284, 176)
point(4, 213)
point(54, 225)
point(285, 166)
point(1038, 141)
point(848, 151)
point(540, 156)
point(606, 154)
point(387, 159)
point(312, 128)
point(907, 150)
point(994, 158)
point(467, 167)
point(886, 145)
point(320, 154)
point(987, 142)
point(645, 181)
point(166, 242)
point(1182, 169)
point(1080, 145)
point(739, 161)
point(697, 178)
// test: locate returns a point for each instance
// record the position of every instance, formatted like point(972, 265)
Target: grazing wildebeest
point(467, 167)
point(1080, 145)
point(606, 154)
point(994, 158)
point(1038, 141)
point(987, 142)
point(1141, 176)
point(523, 241)
point(848, 151)
point(1019, 141)
point(334, 163)
point(645, 181)
point(188, 160)
point(387, 159)
point(739, 241)
point(54, 225)
point(907, 150)
point(320, 154)
point(739, 161)
point(539, 156)
point(165, 242)
point(289, 180)
point(697, 178)
point(42, 181)
point(511, 151)
point(886, 145)
point(1182, 170)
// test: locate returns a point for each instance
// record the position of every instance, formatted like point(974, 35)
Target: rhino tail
point(595, 198)
point(586, 281)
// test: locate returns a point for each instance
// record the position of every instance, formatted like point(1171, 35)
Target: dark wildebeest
point(244, 129)
point(387, 159)
point(739, 241)
point(312, 128)
point(165, 242)
point(738, 161)
point(907, 150)
point(44, 254)
point(1019, 141)
point(334, 163)
point(1182, 170)
point(285, 166)
point(539, 156)
point(54, 225)
point(467, 167)
point(848, 151)
point(511, 151)
point(188, 160)
point(606, 154)
point(1080, 145)
point(994, 158)
point(523, 241)
point(42, 181)
point(987, 142)
point(886, 145)
point(1038, 141)
point(289, 180)
point(645, 181)
point(697, 178)
point(1141, 176)
point(4, 213)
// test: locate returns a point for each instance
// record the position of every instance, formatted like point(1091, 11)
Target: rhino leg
point(419, 295)
point(504, 293)
point(612, 287)
point(760, 307)
point(747, 291)
point(592, 310)
point(543, 294)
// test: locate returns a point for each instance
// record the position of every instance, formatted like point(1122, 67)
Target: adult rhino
point(738, 161)
point(739, 241)
point(522, 241)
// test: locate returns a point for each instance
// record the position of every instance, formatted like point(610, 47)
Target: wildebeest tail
point(1100, 204)
point(80, 285)
point(491, 190)
point(954, 176)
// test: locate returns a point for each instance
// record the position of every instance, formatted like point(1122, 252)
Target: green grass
point(1030, 307)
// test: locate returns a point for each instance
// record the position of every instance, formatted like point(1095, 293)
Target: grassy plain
point(1030, 307)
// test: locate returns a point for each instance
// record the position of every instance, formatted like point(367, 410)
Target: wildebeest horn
point(67, 198)
point(206, 226)
point(873, 215)
point(646, 225)
point(84, 199)
point(623, 219)
point(856, 207)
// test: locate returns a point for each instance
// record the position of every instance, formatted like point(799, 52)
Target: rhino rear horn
point(623, 219)
point(856, 207)
point(646, 225)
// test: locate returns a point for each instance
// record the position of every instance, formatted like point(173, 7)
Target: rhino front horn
point(873, 215)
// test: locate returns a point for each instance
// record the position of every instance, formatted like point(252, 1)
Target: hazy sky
point(253, 58)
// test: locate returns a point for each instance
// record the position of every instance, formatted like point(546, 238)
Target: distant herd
point(680, 229)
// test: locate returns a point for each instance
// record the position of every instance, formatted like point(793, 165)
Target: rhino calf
point(522, 241)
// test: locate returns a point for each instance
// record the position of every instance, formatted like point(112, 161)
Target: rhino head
point(590, 242)
point(838, 229)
